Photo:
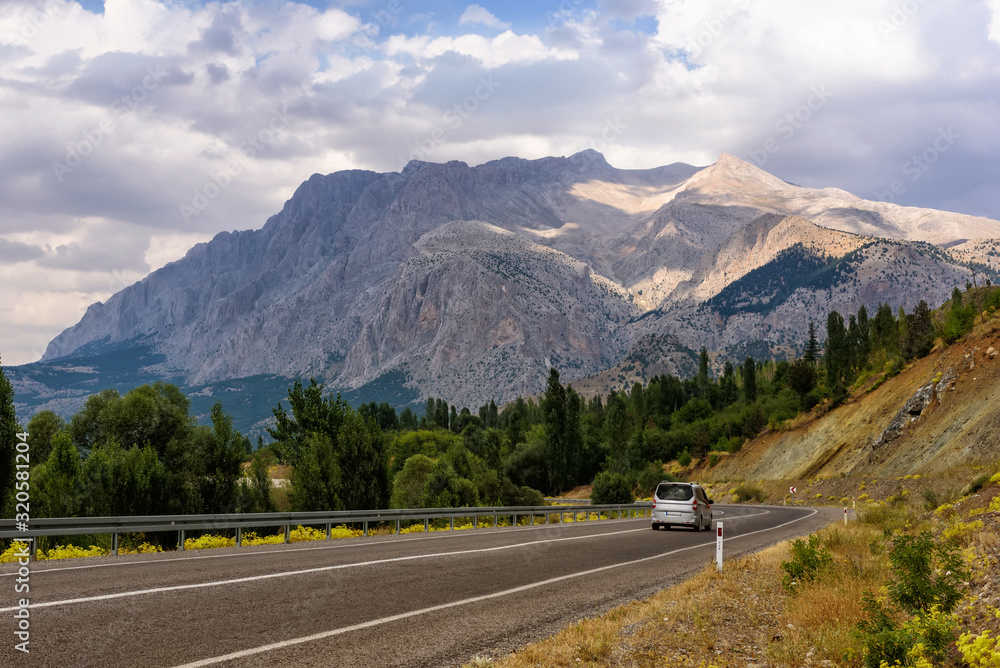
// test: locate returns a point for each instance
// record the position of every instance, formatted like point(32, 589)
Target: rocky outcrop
point(471, 281)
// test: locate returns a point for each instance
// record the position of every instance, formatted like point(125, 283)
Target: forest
point(143, 453)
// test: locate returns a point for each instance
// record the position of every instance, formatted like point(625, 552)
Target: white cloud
point(994, 7)
point(475, 14)
point(354, 90)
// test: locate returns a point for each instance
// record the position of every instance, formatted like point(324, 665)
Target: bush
point(976, 484)
point(611, 488)
point(745, 492)
point(915, 560)
point(713, 459)
point(684, 459)
point(808, 559)
point(650, 477)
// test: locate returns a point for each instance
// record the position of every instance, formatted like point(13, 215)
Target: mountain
point(468, 283)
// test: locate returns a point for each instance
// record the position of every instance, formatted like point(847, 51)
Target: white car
point(681, 504)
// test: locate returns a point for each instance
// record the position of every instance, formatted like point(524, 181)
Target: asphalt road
point(411, 600)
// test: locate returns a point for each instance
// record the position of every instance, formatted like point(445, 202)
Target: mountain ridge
point(329, 285)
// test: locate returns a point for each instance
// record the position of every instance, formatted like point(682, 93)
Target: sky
point(132, 129)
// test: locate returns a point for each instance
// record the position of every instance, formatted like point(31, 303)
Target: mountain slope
point(939, 412)
point(411, 276)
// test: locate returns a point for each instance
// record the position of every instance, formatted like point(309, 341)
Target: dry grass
point(745, 618)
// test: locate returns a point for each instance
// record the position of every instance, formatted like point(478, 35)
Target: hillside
point(469, 282)
point(941, 412)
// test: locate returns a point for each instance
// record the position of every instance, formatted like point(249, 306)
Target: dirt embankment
point(942, 411)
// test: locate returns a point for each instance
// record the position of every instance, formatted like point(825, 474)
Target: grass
point(744, 616)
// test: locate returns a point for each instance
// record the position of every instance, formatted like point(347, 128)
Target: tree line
point(143, 453)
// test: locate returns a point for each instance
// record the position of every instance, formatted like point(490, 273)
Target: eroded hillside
point(941, 411)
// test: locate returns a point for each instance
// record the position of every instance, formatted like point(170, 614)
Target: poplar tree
point(8, 438)
point(750, 380)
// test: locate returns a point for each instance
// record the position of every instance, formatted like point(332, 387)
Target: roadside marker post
point(718, 546)
point(845, 516)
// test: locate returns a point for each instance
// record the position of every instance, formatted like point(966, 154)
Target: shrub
point(745, 492)
point(915, 587)
point(713, 459)
point(976, 484)
point(684, 459)
point(650, 477)
point(611, 488)
point(883, 642)
point(808, 559)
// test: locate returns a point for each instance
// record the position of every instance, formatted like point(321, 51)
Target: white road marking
point(444, 606)
point(318, 569)
point(437, 535)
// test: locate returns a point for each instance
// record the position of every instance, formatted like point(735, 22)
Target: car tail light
point(694, 505)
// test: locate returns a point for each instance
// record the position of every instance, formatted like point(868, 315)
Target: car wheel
point(701, 524)
point(656, 527)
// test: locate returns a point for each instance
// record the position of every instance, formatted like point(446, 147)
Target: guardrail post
point(239, 537)
point(452, 523)
point(397, 526)
point(288, 533)
point(366, 530)
point(513, 519)
point(496, 520)
point(114, 544)
point(475, 522)
point(33, 549)
point(329, 530)
point(427, 525)
point(180, 540)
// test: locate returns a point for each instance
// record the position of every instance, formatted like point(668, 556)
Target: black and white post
point(718, 546)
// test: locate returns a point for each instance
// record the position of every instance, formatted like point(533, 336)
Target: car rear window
point(674, 492)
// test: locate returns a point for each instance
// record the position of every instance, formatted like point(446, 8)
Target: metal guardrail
point(74, 526)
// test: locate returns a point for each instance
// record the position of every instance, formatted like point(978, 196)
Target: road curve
point(412, 600)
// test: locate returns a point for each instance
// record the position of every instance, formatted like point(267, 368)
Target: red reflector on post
point(719, 534)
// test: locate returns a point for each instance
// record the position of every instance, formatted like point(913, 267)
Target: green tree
point(812, 347)
point(611, 488)
point(223, 461)
point(316, 477)
point(363, 461)
point(408, 485)
point(56, 481)
point(750, 380)
point(836, 356)
point(311, 413)
point(556, 431)
point(255, 493)
point(42, 428)
point(703, 367)
point(802, 378)
point(919, 332)
point(8, 439)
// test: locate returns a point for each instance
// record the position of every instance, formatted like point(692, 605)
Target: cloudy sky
point(132, 129)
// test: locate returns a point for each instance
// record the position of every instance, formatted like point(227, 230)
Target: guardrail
point(74, 526)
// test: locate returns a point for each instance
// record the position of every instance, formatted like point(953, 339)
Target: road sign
point(792, 490)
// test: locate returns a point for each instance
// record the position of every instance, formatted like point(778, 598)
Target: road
point(410, 600)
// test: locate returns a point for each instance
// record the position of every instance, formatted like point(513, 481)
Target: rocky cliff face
point(470, 282)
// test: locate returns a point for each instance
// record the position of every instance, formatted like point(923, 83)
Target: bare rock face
point(472, 281)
